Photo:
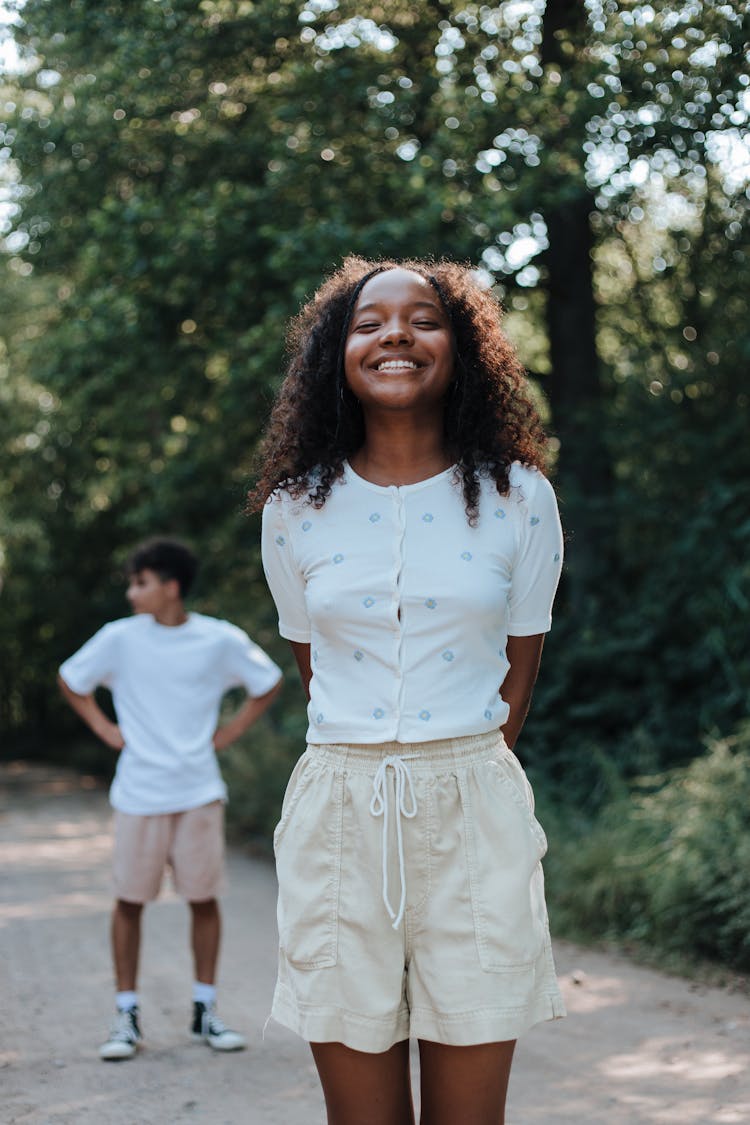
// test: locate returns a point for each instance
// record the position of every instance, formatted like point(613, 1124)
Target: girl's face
point(399, 351)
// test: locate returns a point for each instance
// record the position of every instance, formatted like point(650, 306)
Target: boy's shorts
point(190, 842)
point(450, 827)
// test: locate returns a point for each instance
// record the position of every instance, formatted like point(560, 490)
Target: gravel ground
point(638, 1046)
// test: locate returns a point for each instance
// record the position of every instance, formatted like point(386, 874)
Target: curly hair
point(316, 423)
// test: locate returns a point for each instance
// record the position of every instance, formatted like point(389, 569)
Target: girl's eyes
point(372, 325)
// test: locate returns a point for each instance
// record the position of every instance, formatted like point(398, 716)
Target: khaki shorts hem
point(468, 1029)
point(336, 1025)
point(373, 1035)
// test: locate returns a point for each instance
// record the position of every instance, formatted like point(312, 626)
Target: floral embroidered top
point(406, 607)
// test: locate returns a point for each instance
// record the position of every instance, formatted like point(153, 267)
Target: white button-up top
point(406, 607)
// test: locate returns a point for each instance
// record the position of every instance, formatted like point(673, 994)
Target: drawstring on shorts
point(380, 806)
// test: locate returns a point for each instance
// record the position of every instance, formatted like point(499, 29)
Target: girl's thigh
point(466, 1084)
point(361, 1088)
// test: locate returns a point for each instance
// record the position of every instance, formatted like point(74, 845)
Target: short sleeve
point(538, 563)
point(286, 583)
point(94, 663)
point(246, 664)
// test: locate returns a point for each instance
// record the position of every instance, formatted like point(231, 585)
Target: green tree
point(187, 172)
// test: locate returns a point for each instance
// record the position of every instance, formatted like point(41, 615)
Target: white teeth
point(396, 365)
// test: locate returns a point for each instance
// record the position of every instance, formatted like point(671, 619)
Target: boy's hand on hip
point(251, 709)
point(92, 714)
point(221, 739)
point(112, 736)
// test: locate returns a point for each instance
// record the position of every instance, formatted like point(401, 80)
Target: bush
point(667, 865)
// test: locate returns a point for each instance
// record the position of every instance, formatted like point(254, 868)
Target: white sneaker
point(208, 1028)
point(124, 1037)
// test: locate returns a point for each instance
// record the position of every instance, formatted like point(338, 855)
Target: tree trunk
point(574, 386)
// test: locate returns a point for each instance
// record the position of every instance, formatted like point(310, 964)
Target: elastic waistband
point(421, 756)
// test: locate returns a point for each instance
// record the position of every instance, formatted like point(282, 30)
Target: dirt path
point(639, 1047)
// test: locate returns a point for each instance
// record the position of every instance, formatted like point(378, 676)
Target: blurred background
point(177, 176)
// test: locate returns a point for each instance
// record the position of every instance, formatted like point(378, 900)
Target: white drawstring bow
point(380, 806)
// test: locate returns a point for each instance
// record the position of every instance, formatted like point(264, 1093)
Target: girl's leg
point(365, 1089)
point(466, 1084)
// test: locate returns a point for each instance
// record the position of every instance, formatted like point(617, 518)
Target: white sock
point(204, 993)
point(126, 1000)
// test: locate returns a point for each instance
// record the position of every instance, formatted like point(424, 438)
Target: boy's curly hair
point(316, 423)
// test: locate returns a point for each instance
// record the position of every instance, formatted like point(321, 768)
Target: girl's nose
point(395, 332)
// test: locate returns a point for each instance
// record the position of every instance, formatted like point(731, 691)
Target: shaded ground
point(638, 1047)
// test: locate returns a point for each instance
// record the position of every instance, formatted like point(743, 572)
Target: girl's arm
point(302, 656)
point(524, 655)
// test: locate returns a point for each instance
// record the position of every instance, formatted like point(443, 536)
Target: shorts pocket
point(294, 788)
point(308, 843)
point(504, 846)
point(520, 788)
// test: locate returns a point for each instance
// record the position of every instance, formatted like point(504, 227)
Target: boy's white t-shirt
point(407, 609)
point(167, 683)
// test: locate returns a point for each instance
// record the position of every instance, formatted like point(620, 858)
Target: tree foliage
point(182, 174)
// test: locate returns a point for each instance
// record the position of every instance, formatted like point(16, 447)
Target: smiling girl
point(413, 548)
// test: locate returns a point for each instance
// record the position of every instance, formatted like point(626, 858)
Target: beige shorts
point(190, 842)
point(411, 896)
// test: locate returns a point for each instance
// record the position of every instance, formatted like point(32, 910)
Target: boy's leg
point(197, 858)
point(126, 943)
point(141, 846)
point(125, 1033)
point(205, 934)
point(140, 850)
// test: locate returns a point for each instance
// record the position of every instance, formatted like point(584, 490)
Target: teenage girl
point(413, 547)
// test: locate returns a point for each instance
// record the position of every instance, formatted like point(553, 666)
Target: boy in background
point(167, 670)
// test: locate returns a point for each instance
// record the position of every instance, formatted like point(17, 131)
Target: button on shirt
point(407, 609)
